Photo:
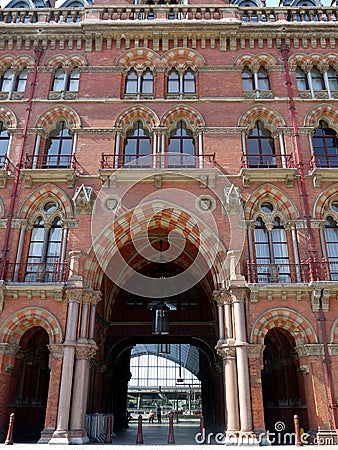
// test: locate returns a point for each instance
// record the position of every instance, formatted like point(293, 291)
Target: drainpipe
point(304, 195)
point(311, 243)
point(5, 248)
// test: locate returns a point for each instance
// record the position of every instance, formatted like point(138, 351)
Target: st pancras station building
point(168, 216)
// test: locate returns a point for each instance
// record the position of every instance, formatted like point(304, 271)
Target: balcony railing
point(324, 161)
point(6, 164)
point(170, 12)
point(266, 161)
point(304, 272)
point(158, 161)
point(52, 272)
point(50, 162)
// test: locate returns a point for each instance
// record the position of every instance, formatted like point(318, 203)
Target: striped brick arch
point(8, 117)
point(323, 200)
point(47, 192)
point(147, 219)
point(182, 112)
point(23, 320)
point(271, 118)
point(255, 60)
point(128, 117)
point(54, 115)
point(306, 62)
point(5, 62)
point(140, 58)
point(67, 61)
point(266, 192)
point(322, 112)
point(287, 319)
point(334, 332)
point(183, 57)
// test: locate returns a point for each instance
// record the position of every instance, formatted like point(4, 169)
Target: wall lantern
point(160, 319)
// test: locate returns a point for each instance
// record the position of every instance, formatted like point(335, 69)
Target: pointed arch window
point(44, 251)
point(7, 81)
point(271, 250)
point(248, 80)
point(263, 81)
point(66, 82)
point(4, 143)
point(331, 242)
point(302, 80)
point(332, 79)
point(181, 84)
point(260, 147)
point(325, 146)
point(21, 81)
point(139, 84)
point(58, 148)
point(317, 80)
point(137, 146)
point(181, 147)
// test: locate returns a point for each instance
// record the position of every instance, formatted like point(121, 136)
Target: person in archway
point(151, 416)
point(159, 414)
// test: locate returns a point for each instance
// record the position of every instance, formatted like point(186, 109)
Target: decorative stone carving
point(226, 352)
point(315, 299)
point(233, 204)
point(74, 295)
point(222, 296)
point(85, 352)
point(255, 350)
point(83, 199)
point(310, 350)
point(9, 349)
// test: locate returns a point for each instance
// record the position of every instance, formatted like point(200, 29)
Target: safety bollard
point(202, 428)
point(139, 439)
point(297, 431)
point(108, 431)
point(9, 438)
point(171, 439)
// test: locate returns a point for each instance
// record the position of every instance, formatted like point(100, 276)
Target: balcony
point(304, 272)
point(324, 167)
point(54, 272)
point(6, 169)
point(169, 166)
point(42, 168)
point(268, 167)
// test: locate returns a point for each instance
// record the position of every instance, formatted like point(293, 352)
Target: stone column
point(61, 435)
point(55, 365)
point(7, 364)
point(238, 298)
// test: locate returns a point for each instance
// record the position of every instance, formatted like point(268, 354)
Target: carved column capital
point(222, 296)
point(91, 297)
point(85, 352)
point(74, 295)
point(239, 295)
point(310, 350)
point(226, 351)
point(56, 350)
point(255, 350)
point(9, 349)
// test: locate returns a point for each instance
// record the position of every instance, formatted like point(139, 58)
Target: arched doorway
point(28, 398)
point(282, 383)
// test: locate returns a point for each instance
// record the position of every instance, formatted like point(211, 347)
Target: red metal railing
point(51, 272)
point(158, 161)
point(304, 272)
point(50, 162)
point(264, 161)
point(324, 161)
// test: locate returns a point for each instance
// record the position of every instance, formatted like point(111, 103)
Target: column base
point(326, 437)
point(239, 438)
point(46, 435)
point(60, 437)
point(78, 437)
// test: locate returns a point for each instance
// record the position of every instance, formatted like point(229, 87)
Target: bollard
point(171, 439)
point(139, 439)
point(9, 438)
point(297, 431)
point(108, 431)
point(202, 429)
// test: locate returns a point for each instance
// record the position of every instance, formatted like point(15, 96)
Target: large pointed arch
point(8, 117)
point(322, 201)
point(288, 207)
point(322, 112)
point(131, 114)
point(21, 321)
point(183, 58)
point(140, 58)
point(188, 113)
point(54, 115)
point(287, 319)
point(271, 118)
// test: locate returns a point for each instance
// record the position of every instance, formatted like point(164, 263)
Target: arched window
point(59, 80)
point(331, 242)
point(21, 80)
point(7, 81)
point(66, 82)
point(181, 147)
point(260, 147)
point(317, 80)
point(58, 148)
point(263, 83)
point(44, 251)
point(181, 84)
point(139, 84)
point(4, 143)
point(271, 249)
point(248, 81)
point(325, 146)
point(137, 145)
point(332, 79)
point(302, 80)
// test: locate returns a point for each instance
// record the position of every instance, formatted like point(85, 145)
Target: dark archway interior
point(30, 386)
point(282, 382)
